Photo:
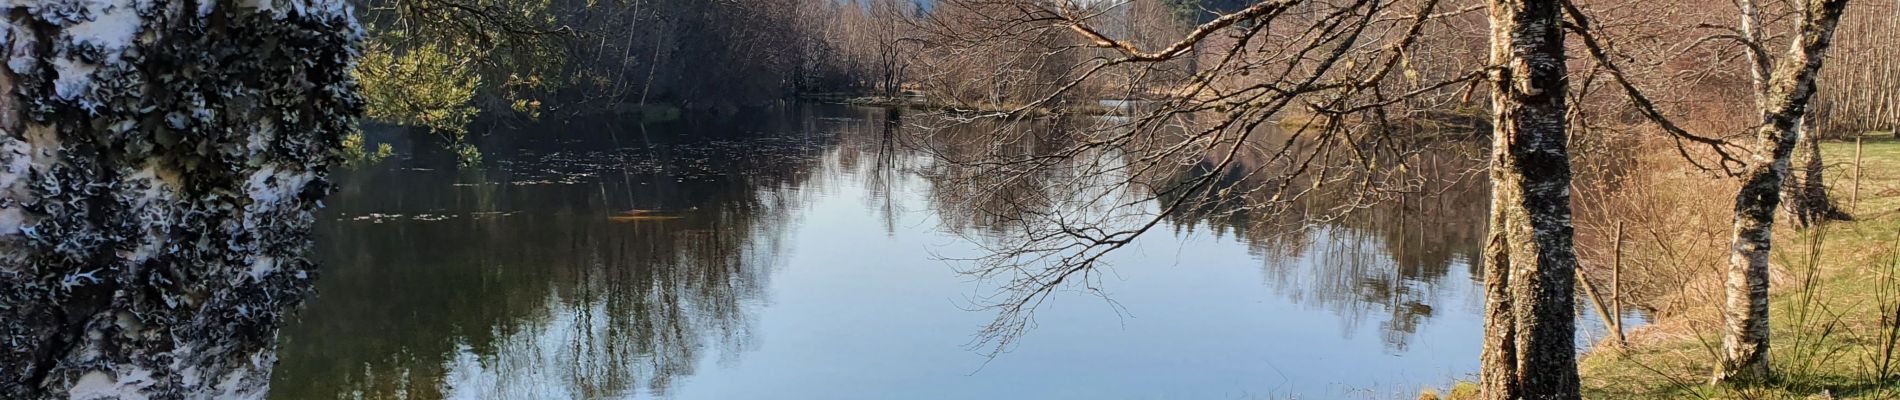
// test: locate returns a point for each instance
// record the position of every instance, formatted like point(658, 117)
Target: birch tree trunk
point(159, 164)
point(1806, 194)
point(1530, 264)
point(1745, 328)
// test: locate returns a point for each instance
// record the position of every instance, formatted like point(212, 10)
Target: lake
point(797, 253)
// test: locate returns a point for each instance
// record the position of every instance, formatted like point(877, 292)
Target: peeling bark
point(160, 161)
point(1530, 263)
point(1745, 327)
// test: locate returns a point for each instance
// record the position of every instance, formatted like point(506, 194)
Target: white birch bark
point(1745, 327)
point(1530, 264)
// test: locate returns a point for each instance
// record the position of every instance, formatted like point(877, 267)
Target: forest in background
point(440, 64)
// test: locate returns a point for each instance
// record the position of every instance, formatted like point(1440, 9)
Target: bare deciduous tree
point(1325, 74)
point(1745, 337)
point(1782, 98)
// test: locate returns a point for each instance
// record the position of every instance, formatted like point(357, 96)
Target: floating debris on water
point(626, 175)
point(699, 161)
point(637, 215)
point(376, 217)
point(639, 218)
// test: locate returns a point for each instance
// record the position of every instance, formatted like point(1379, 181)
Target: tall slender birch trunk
point(159, 164)
point(1745, 328)
point(1530, 264)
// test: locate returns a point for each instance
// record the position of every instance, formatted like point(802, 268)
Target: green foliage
point(356, 151)
point(438, 64)
point(425, 86)
point(529, 108)
point(467, 155)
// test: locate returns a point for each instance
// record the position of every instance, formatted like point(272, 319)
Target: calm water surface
point(795, 254)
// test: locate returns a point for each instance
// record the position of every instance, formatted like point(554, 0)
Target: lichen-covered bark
point(159, 163)
point(1745, 326)
point(1530, 263)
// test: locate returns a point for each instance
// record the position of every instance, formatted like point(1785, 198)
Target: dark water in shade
point(793, 254)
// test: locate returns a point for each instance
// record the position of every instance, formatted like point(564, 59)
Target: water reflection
point(1389, 265)
point(1330, 247)
point(520, 278)
point(798, 254)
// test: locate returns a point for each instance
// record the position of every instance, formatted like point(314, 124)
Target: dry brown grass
point(1832, 286)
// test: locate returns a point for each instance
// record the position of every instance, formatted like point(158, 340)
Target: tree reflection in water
point(1329, 247)
point(519, 282)
point(528, 278)
point(1386, 258)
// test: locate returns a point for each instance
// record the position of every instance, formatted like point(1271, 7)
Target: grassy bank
point(1832, 316)
point(1835, 297)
